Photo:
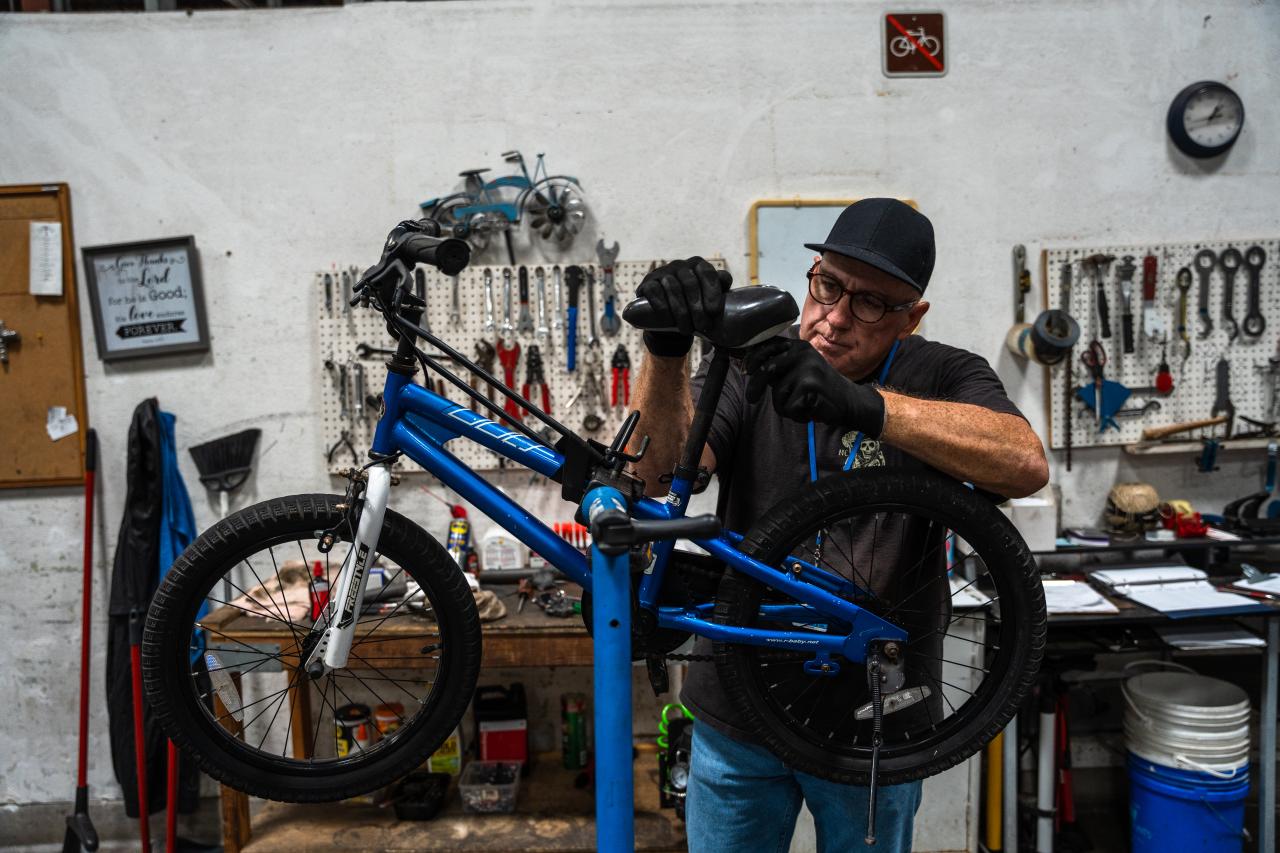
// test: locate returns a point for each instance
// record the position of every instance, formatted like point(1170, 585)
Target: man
point(947, 410)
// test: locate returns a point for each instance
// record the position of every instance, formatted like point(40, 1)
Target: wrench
point(1125, 272)
point(1230, 261)
point(593, 340)
point(507, 326)
point(540, 291)
point(1205, 261)
point(1222, 398)
point(328, 294)
point(1096, 266)
point(1021, 283)
point(609, 321)
point(358, 369)
point(455, 307)
point(488, 301)
point(1184, 288)
point(557, 301)
point(526, 319)
point(346, 292)
point(1254, 258)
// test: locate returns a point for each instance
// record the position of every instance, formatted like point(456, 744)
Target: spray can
point(459, 542)
point(573, 730)
point(319, 590)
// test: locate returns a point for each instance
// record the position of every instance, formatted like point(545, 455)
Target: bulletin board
point(42, 439)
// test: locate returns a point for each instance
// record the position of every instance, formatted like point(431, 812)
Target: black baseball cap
point(889, 235)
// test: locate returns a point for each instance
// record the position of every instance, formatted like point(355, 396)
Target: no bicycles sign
point(914, 44)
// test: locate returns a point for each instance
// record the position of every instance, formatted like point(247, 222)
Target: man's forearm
point(995, 451)
point(663, 398)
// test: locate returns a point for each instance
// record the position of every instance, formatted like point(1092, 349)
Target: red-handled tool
point(621, 369)
point(535, 379)
point(509, 357)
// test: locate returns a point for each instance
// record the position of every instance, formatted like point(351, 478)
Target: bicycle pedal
point(658, 678)
point(904, 698)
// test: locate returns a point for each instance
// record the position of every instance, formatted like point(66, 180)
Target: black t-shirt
point(762, 457)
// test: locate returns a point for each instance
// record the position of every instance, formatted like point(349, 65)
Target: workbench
point(551, 815)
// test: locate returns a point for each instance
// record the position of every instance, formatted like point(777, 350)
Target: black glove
point(689, 294)
point(806, 387)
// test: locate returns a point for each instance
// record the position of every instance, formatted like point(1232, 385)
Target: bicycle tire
point(189, 723)
point(1022, 622)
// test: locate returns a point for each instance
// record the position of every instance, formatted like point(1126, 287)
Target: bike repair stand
point(611, 631)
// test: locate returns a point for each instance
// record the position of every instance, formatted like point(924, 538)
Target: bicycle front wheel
point(230, 629)
point(925, 554)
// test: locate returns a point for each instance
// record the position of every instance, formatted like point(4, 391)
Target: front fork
point(342, 612)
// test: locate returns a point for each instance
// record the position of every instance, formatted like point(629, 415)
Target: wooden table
point(530, 638)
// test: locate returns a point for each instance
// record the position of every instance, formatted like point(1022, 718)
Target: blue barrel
point(1172, 809)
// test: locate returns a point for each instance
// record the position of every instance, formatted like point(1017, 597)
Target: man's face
point(851, 346)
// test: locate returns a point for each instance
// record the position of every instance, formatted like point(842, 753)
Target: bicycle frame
point(418, 423)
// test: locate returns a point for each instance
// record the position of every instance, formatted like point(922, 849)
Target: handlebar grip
point(692, 527)
point(447, 254)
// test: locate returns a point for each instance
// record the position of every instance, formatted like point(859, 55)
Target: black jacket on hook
point(134, 578)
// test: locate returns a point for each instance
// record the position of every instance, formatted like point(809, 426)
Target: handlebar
point(447, 254)
point(411, 243)
point(613, 531)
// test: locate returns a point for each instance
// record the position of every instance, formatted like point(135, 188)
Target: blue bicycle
point(553, 204)
point(873, 626)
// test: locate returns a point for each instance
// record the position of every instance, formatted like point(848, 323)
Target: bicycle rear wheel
point(928, 555)
point(230, 628)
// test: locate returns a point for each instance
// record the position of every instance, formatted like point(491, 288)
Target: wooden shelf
point(552, 816)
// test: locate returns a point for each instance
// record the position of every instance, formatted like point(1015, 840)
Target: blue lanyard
point(857, 442)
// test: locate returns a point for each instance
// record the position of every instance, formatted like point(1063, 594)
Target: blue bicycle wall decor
point(553, 204)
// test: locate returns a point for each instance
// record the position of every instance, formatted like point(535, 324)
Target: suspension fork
point(343, 609)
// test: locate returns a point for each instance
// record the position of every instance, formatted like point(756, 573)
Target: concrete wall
point(287, 139)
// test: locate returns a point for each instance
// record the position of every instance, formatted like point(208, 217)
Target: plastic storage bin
point(490, 786)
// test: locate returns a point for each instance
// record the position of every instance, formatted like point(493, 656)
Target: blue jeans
point(742, 798)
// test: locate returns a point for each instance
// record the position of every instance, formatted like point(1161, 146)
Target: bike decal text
point(509, 437)
point(349, 606)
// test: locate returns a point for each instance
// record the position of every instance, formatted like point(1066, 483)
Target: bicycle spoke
point(291, 684)
point(948, 660)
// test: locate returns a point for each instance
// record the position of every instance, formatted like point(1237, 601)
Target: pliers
point(621, 369)
point(535, 379)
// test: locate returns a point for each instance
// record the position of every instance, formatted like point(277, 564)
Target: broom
point(225, 463)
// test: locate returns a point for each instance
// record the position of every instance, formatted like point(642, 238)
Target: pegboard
point(1252, 377)
point(343, 328)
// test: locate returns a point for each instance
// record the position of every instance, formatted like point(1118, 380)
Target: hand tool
point(1205, 261)
point(485, 354)
point(1164, 378)
point(488, 301)
point(343, 411)
point(590, 391)
point(1222, 404)
point(508, 327)
point(1096, 266)
point(1230, 261)
point(1254, 323)
point(1124, 272)
point(621, 369)
point(573, 276)
point(593, 340)
point(344, 440)
point(455, 306)
point(346, 292)
point(1139, 411)
point(328, 294)
point(1104, 396)
point(1183, 280)
point(1157, 433)
point(526, 318)
point(609, 321)
point(557, 302)
point(509, 357)
point(420, 290)
point(1153, 325)
point(535, 379)
point(357, 370)
point(1021, 283)
point(540, 292)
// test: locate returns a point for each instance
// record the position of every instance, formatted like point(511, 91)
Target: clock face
point(1213, 117)
point(1205, 119)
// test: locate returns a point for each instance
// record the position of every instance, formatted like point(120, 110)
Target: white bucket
point(1187, 721)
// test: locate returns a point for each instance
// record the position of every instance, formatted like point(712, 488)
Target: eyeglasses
point(864, 305)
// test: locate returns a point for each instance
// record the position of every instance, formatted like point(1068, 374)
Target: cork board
point(45, 367)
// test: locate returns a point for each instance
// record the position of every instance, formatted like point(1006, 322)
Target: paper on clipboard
point(1069, 596)
point(1173, 590)
point(45, 266)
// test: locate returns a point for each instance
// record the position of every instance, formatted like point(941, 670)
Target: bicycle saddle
point(472, 173)
point(751, 315)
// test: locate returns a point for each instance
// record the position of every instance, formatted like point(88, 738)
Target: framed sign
point(914, 44)
point(146, 298)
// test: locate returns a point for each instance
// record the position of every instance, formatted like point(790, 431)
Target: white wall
point(286, 139)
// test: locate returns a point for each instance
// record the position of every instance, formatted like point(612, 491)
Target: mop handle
point(86, 607)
